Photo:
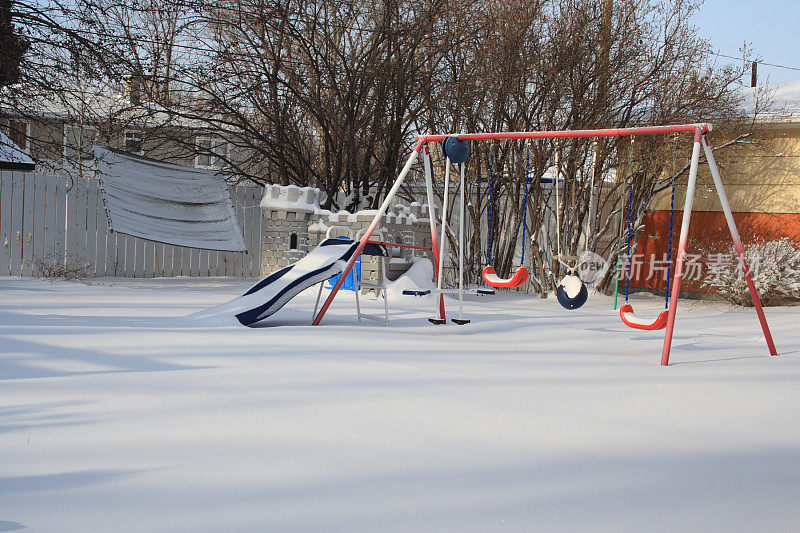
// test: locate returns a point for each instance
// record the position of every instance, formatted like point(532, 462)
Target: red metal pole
point(687, 215)
point(567, 134)
point(432, 220)
point(737, 243)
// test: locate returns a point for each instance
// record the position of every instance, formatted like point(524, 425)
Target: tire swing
point(571, 292)
point(626, 313)
point(489, 274)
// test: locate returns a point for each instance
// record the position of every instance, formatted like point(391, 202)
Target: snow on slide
point(273, 292)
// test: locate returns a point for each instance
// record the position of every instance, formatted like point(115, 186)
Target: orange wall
point(708, 234)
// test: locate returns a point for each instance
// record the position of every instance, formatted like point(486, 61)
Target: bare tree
point(12, 46)
point(574, 64)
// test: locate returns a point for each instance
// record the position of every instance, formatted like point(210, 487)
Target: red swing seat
point(632, 321)
point(492, 279)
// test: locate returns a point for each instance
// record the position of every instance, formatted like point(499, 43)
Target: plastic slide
point(273, 292)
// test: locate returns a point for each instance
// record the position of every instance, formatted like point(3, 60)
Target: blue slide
point(273, 292)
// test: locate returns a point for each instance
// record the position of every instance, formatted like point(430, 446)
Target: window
point(133, 141)
point(293, 241)
point(211, 153)
point(78, 141)
point(19, 132)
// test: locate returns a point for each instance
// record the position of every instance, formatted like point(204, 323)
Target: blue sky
point(773, 28)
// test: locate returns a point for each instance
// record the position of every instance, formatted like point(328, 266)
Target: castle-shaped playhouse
point(294, 224)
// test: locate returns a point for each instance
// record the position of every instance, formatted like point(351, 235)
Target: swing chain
point(491, 201)
point(525, 199)
point(630, 220)
point(671, 217)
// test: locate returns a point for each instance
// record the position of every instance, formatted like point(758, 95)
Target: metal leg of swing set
point(440, 312)
point(700, 140)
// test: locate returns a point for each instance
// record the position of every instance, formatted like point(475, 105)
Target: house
point(58, 134)
point(761, 174)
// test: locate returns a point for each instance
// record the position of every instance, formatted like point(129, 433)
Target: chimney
point(754, 74)
point(133, 90)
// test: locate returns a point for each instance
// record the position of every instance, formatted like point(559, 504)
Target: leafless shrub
point(57, 267)
point(775, 267)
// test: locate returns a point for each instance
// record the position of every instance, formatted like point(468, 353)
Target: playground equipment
point(455, 151)
point(324, 262)
point(354, 282)
point(489, 274)
point(274, 291)
point(700, 137)
point(571, 292)
point(626, 313)
point(351, 282)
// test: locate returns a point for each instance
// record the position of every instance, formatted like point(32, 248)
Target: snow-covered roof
point(11, 157)
point(773, 103)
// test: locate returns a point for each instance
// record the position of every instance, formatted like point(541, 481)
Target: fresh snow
point(781, 100)
point(419, 277)
point(118, 413)
point(291, 198)
point(318, 227)
point(10, 152)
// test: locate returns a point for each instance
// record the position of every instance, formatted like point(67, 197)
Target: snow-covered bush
point(775, 266)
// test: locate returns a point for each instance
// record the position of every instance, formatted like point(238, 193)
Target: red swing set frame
point(700, 133)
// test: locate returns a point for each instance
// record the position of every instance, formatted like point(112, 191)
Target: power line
point(756, 61)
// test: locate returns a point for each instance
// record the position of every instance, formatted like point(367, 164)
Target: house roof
point(773, 103)
point(11, 157)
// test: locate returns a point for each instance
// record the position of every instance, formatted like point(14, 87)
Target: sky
point(771, 26)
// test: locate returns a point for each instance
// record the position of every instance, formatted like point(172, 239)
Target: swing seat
point(571, 293)
point(491, 278)
point(632, 321)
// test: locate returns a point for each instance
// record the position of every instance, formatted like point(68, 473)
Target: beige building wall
point(760, 174)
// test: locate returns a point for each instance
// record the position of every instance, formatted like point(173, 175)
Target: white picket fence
point(46, 218)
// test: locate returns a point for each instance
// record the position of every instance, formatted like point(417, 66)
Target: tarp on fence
point(167, 203)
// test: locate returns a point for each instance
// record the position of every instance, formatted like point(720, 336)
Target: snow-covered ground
point(118, 415)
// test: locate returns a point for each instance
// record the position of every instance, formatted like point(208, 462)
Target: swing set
point(700, 141)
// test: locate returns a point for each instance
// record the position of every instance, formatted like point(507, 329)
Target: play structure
point(571, 292)
point(521, 274)
point(326, 261)
point(273, 292)
point(456, 149)
point(354, 282)
point(626, 313)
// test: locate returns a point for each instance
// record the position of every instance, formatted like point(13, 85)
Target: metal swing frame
point(700, 133)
